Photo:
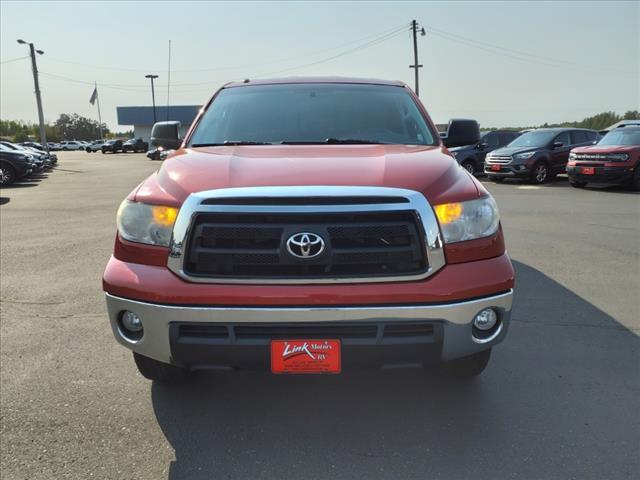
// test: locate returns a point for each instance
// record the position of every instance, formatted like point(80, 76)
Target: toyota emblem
point(305, 245)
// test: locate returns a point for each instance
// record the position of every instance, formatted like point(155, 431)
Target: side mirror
point(557, 144)
point(462, 132)
point(166, 135)
point(482, 145)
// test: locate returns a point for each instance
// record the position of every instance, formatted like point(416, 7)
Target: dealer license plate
point(588, 171)
point(495, 168)
point(305, 356)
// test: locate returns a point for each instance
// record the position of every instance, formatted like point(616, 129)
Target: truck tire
point(466, 367)
point(158, 371)
point(540, 173)
point(7, 175)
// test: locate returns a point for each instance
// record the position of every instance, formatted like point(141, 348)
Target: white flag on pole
point(94, 96)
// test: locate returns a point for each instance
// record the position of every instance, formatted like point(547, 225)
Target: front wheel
point(540, 173)
point(7, 175)
point(466, 367)
point(158, 371)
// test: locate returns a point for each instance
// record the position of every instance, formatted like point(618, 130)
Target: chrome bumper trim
point(456, 317)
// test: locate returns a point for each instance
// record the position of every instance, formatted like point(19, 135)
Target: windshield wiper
point(352, 141)
point(333, 141)
point(231, 142)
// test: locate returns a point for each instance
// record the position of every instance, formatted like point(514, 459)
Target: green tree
point(77, 127)
point(20, 137)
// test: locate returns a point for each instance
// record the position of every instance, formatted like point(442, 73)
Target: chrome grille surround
point(501, 159)
point(205, 202)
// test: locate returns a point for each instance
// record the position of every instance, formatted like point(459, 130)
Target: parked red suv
point(309, 226)
point(615, 160)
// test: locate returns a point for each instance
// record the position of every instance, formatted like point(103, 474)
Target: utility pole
point(34, 67)
point(416, 66)
point(153, 95)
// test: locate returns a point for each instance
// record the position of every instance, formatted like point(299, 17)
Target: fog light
point(131, 321)
point(486, 319)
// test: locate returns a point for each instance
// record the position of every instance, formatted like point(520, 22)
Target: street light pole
point(153, 95)
point(34, 67)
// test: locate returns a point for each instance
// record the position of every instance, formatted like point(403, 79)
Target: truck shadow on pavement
point(558, 400)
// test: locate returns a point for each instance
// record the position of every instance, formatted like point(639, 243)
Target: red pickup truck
point(310, 226)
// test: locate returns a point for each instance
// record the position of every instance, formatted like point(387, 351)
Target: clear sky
point(503, 63)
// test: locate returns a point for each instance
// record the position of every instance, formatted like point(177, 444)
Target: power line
point(237, 67)
point(14, 59)
point(371, 43)
point(516, 54)
point(132, 87)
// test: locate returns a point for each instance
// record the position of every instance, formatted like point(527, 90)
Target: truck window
point(313, 113)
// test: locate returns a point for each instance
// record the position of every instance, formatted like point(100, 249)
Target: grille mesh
point(254, 246)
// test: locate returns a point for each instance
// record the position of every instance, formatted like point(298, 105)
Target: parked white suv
point(71, 145)
point(94, 146)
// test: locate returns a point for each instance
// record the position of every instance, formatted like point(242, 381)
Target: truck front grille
point(254, 246)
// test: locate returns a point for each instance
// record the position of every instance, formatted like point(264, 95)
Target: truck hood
point(513, 150)
point(425, 169)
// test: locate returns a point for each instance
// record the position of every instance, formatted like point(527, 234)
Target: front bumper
point(509, 170)
point(444, 331)
point(618, 175)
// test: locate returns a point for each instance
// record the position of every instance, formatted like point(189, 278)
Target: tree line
point(599, 121)
point(66, 127)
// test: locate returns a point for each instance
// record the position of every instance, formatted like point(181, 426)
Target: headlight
point(524, 156)
point(142, 223)
point(455, 154)
point(572, 156)
point(468, 220)
point(618, 157)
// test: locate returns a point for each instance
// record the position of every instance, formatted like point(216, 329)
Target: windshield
point(313, 113)
point(621, 136)
point(536, 138)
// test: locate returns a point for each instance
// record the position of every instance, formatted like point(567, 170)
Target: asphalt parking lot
point(560, 398)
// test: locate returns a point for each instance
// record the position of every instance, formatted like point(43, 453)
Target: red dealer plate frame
point(495, 168)
point(588, 170)
point(306, 356)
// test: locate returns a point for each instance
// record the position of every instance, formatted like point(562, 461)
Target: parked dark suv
point(112, 146)
point(135, 145)
point(538, 155)
point(14, 164)
point(471, 157)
